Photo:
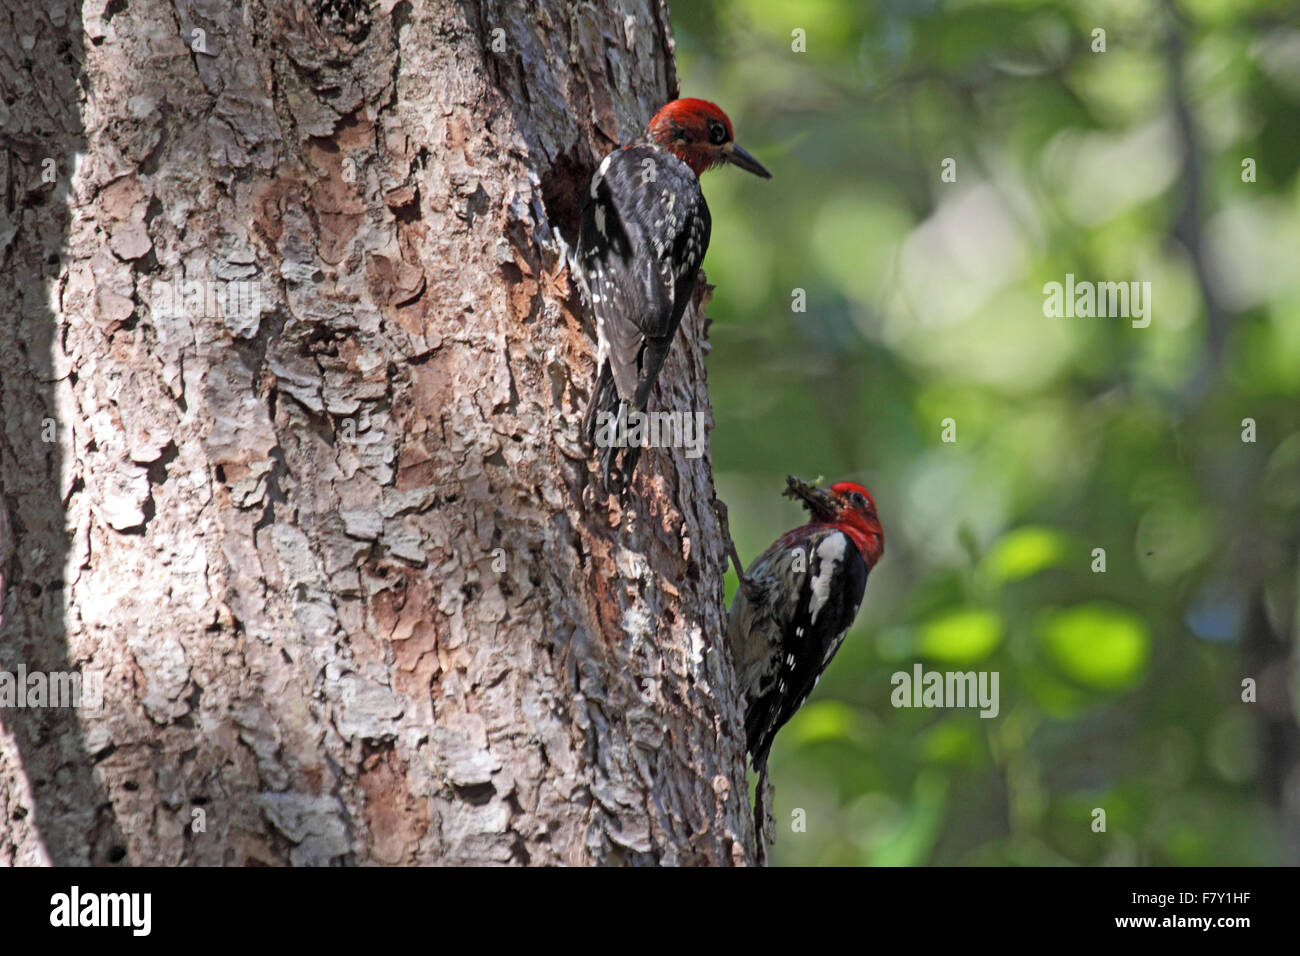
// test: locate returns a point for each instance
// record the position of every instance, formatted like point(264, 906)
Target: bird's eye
point(858, 500)
point(717, 133)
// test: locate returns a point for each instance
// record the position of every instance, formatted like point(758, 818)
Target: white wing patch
point(600, 174)
point(831, 553)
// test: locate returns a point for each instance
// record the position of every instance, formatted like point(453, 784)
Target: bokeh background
point(1119, 690)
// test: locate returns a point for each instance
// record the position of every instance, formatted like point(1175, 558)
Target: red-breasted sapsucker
point(645, 229)
point(796, 603)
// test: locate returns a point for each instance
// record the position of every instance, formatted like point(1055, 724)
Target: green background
point(1119, 690)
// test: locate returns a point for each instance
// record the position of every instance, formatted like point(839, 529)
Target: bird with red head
point(797, 602)
point(700, 134)
point(846, 506)
point(645, 229)
point(792, 612)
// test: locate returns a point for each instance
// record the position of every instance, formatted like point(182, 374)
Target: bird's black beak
point(816, 500)
point(733, 154)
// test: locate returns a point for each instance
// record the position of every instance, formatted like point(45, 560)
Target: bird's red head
point(849, 507)
point(700, 135)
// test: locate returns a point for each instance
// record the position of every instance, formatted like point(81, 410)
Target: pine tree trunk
point(291, 368)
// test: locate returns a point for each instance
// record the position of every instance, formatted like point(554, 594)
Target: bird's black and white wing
point(645, 229)
point(803, 595)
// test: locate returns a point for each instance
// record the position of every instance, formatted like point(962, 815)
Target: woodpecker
point(796, 604)
point(645, 229)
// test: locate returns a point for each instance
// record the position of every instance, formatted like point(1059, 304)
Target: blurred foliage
point(1118, 689)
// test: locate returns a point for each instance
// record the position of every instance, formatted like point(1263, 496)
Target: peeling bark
point(291, 371)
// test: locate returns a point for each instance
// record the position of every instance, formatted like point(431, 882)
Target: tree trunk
point(291, 369)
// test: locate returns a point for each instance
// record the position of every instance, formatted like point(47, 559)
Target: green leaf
point(1101, 646)
point(1024, 552)
point(962, 636)
point(822, 720)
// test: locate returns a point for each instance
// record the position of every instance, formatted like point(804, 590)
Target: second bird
point(645, 229)
point(796, 604)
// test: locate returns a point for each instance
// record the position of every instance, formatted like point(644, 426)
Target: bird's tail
point(604, 398)
point(602, 433)
point(764, 819)
point(652, 360)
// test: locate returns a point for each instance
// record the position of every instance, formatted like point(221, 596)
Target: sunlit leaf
point(1101, 646)
point(960, 637)
point(1024, 552)
point(822, 720)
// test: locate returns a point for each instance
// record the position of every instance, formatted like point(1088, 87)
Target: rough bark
point(337, 553)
